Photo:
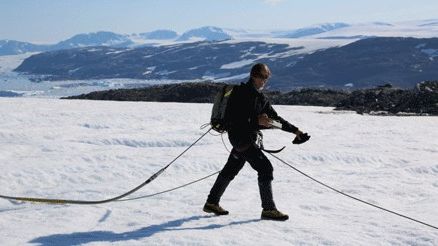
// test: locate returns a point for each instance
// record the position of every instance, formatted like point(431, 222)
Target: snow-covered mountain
point(332, 63)
point(418, 29)
point(206, 33)
point(94, 39)
point(303, 32)
point(315, 60)
point(159, 35)
point(225, 60)
point(12, 47)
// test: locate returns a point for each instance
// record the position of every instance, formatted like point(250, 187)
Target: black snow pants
point(259, 162)
point(255, 157)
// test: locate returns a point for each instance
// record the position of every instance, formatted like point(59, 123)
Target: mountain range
point(308, 31)
point(336, 55)
point(12, 47)
point(402, 62)
point(419, 29)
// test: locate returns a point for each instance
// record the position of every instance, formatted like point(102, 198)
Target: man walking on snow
point(248, 112)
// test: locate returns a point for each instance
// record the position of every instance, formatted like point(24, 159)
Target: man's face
point(261, 77)
point(259, 83)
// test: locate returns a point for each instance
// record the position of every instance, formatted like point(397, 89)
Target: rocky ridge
point(382, 100)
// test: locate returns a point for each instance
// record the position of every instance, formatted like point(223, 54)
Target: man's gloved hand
point(301, 137)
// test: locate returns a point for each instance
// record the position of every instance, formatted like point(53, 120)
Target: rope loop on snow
point(155, 175)
point(83, 202)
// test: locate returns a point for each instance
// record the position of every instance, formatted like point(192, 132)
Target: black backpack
point(219, 120)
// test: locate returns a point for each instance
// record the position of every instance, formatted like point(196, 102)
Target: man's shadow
point(77, 238)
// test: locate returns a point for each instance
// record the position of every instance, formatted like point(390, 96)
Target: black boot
point(274, 215)
point(216, 192)
point(214, 208)
point(269, 212)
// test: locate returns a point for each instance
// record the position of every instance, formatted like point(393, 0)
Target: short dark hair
point(260, 70)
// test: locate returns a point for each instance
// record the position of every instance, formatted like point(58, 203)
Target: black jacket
point(244, 107)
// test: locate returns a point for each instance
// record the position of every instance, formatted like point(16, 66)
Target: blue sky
point(49, 21)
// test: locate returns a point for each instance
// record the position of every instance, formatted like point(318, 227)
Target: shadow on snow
point(109, 236)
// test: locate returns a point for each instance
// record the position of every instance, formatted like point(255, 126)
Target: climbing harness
point(259, 143)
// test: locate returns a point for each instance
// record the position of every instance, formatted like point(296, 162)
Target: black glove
point(302, 138)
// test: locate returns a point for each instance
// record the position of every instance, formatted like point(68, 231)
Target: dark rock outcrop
point(205, 92)
point(308, 97)
point(385, 100)
point(184, 92)
point(422, 100)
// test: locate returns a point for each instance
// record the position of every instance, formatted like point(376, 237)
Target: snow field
point(92, 150)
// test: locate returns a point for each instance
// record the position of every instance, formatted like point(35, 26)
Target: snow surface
point(98, 149)
point(416, 29)
point(303, 46)
point(350, 33)
point(238, 64)
point(9, 63)
point(308, 44)
point(432, 53)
